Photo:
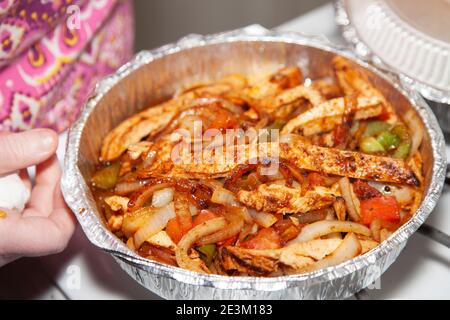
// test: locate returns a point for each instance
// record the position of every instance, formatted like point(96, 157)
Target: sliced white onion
point(356, 203)
point(162, 197)
point(403, 194)
point(247, 230)
point(162, 239)
point(188, 240)
point(321, 228)
point(193, 209)
point(331, 217)
point(346, 191)
point(224, 196)
point(133, 221)
point(264, 219)
point(340, 209)
point(146, 194)
point(130, 243)
point(302, 255)
point(349, 248)
point(416, 130)
point(375, 226)
point(247, 217)
point(384, 234)
point(377, 185)
point(123, 188)
point(320, 248)
point(154, 224)
point(235, 225)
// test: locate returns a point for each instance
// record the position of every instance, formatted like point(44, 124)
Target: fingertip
point(24, 149)
point(48, 139)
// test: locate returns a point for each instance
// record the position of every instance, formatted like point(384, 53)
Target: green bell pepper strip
point(388, 140)
point(374, 128)
point(380, 137)
point(106, 178)
point(403, 150)
point(207, 252)
point(370, 145)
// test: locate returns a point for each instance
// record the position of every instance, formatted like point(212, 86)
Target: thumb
point(21, 150)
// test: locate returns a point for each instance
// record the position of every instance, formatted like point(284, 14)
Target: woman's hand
point(46, 224)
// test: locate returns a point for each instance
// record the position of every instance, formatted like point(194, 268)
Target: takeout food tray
point(157, 74)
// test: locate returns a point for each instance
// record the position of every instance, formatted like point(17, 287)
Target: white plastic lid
point(410, 36)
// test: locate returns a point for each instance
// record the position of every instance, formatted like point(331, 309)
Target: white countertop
point(421, 272)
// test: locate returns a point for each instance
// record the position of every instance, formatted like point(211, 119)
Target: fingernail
point(47, 140)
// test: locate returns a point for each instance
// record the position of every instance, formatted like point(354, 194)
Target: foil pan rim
point(363, 51)
point(75, 189)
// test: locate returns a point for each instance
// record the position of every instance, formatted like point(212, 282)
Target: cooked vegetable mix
point(320, 172)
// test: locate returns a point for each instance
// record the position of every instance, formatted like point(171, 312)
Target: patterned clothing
point(52, 52)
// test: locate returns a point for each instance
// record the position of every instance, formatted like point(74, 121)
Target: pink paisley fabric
point(48, 74)
point(6, 6)
point(24, 22)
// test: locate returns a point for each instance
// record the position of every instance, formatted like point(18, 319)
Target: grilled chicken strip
point(304, 156)
point(327, 88)
point(327, 115)
point(279, 94)
point(348, 163)
point(274, 84)
point(154, 119)
point(352, 80)
point(284, 103)
point(282, 199)
point(294, 257)
point(133, 129)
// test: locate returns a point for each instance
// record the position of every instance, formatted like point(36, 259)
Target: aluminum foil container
point(429, 60)
point(154, 75)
